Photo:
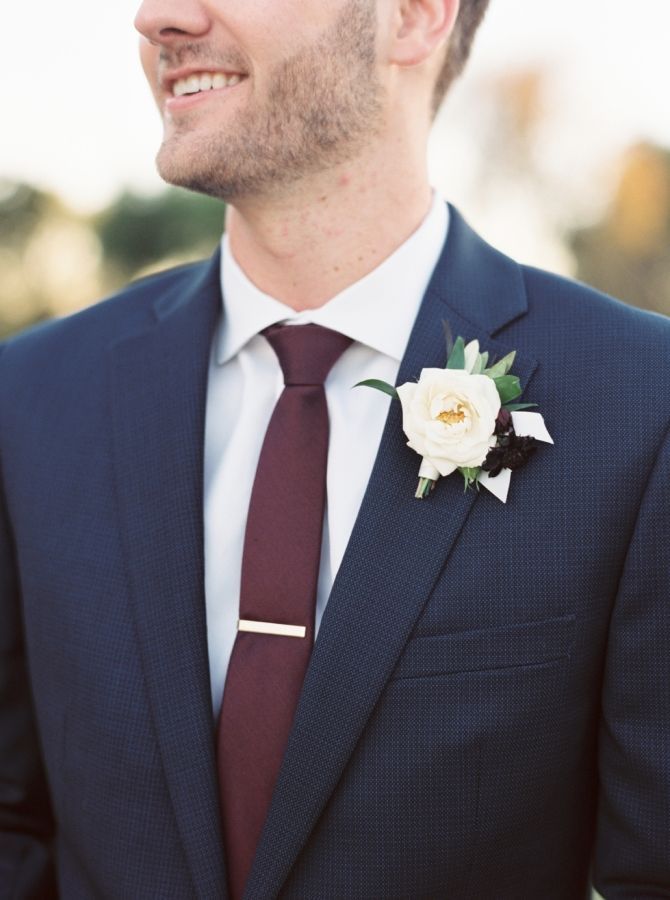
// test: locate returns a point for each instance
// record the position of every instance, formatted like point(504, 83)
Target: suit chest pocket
point(509, 646)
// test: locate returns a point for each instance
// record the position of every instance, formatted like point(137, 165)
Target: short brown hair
point(469, 18)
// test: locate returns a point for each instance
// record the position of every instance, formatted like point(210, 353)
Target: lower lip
point(187, 101)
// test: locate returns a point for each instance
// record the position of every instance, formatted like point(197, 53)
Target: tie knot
point(306, 353)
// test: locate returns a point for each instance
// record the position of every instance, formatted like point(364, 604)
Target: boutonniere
point(463, 418)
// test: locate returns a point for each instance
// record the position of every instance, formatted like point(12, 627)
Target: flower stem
point(426, 485)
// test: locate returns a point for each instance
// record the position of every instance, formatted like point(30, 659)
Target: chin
point(176, 166)
point(195, 169)
point(178, 169)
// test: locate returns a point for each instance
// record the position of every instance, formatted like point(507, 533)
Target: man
point(484, 713)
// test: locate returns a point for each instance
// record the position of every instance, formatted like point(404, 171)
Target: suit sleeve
point(26, 869)
point(632, 857)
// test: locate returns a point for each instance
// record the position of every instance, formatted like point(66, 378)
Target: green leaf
point(509, 387)
point(457, 356)
point(479, 365)
point(515, 407)
point(382, 386)
point(502, 367)
point(469, 475)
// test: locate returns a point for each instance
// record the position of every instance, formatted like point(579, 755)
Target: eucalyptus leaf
point(480, 365)
point(382, 386)
point(509, 388)
point(516, 407)
point(502, 367)
point(457, 356)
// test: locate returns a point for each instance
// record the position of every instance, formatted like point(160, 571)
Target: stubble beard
point(324, 106)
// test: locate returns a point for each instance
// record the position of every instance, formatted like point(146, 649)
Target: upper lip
point(170, 76)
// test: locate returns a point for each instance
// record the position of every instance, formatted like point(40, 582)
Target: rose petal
point(462, 443)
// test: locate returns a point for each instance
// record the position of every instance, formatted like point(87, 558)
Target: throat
point(309, 247)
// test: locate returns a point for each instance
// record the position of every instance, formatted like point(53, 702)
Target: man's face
point(257, 95)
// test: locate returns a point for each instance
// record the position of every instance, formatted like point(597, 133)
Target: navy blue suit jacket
point(487, 706)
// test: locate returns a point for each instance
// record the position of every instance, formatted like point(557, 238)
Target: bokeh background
point(555, 145)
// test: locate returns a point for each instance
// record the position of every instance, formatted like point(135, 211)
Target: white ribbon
point(526, 424)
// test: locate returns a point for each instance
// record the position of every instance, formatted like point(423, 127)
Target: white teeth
point(193, 84)
point(205, 81)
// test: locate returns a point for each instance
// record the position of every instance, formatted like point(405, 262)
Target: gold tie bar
point(298, 631)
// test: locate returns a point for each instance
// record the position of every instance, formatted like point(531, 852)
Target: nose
point(161, 21)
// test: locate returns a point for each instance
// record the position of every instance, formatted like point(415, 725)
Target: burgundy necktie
point(280, 565)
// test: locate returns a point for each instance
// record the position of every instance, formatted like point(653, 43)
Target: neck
point(311, 242)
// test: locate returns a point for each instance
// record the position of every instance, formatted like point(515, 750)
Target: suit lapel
point(398, 548)
point(158, 391)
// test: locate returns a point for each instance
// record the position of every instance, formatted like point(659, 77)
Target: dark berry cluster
point(511, 451)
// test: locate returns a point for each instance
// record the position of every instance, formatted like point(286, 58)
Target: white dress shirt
point(245, 381)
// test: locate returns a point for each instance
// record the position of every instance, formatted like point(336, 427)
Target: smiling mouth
point(200, 82)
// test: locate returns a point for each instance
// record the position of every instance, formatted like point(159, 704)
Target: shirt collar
point(378, 310)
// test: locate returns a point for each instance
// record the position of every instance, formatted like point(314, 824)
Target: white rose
point(449, 417)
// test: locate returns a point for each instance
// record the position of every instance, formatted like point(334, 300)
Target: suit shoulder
point(592, 342)
point(571, 304)
point(112, 317)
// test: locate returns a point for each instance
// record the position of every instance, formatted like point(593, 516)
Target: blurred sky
point(78, 117)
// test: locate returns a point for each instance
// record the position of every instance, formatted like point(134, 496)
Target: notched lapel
point(158, 392)
point(398, 548)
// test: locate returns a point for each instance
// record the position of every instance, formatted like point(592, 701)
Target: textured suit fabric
point(486, 710)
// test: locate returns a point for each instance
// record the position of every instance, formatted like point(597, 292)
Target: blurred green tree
point(54, 260)
point(22, 207)
point(138, 232)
